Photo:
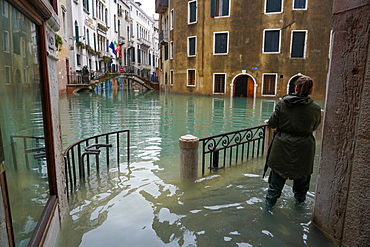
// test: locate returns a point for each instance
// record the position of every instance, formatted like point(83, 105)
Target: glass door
point(22, 121)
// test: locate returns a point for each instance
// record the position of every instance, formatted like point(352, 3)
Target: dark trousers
point(276, 184)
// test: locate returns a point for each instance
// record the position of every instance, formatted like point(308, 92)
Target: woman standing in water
point(292, 151)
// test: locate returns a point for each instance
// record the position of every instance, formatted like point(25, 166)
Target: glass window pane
point(273, 6)
point(298, 44)
point(221, 43)
point(272, 41)
point(192, 46)
point(21, 123)
point(192, 12)
point(299, 4)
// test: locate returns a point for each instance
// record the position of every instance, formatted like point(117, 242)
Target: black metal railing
point(232, 147)
point(85, 155)
point(34, 145)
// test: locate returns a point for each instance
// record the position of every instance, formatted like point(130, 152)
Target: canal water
point(144, 202)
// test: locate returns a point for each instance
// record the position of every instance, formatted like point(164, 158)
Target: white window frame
point(171, 77)
point(305, 44)
point(214, 43)
point(172, 20)
point(196, 12)
point(187, 78)
point(213, 85)
point(263, 84)
point(6, 45)
point(189, 55)
point(171, 50)
point(263, 41)
point(273, 13)
point(300, 8)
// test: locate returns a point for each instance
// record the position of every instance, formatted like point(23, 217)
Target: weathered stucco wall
point(245, 26)
point(343, 187)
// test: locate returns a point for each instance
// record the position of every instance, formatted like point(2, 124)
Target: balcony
point(161, 6)
point(163, 36)
point(144, 42)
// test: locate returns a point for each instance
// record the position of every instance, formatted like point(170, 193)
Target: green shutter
point(213, 8)
point(225, 7)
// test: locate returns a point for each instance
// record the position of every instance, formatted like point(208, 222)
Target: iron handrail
point(74, 156)
point(246, 142)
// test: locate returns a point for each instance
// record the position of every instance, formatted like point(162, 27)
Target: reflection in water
point(145, 203)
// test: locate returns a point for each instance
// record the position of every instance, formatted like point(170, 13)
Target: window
point(138, 54)
point(298, 44)
point(7, 75)
point(78, 59)
point(133, 54)
point(192, 46)
point(271, 41)
point(172, 19)
point(300, 4)
point(166, 52)
point(269, 84)
point(220, 8)
point(29, 181)
point(171, 49)
point(76, 32)
point(191, 78)
point(6, 41)
point(5, 9)
point(219, 83)
point(273, 6)
point(115, 23)
point(86, 5)
point(171, 77)
point(192, 12)
point(220, 43)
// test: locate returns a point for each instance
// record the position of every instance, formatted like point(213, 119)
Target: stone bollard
point(188, 156)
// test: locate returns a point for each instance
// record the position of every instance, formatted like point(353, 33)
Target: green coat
point(293, 148)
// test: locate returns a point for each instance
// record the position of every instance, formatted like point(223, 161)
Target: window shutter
point(225, 7)
point(213, 8)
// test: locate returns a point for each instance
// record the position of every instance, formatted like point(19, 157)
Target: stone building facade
point(243, 48)
point(101, 37)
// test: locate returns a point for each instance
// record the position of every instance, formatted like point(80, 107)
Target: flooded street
point(145, 203)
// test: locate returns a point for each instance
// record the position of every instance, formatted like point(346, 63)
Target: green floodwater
point(145, 203)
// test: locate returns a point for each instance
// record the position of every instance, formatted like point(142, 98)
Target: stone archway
point(244, 86)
